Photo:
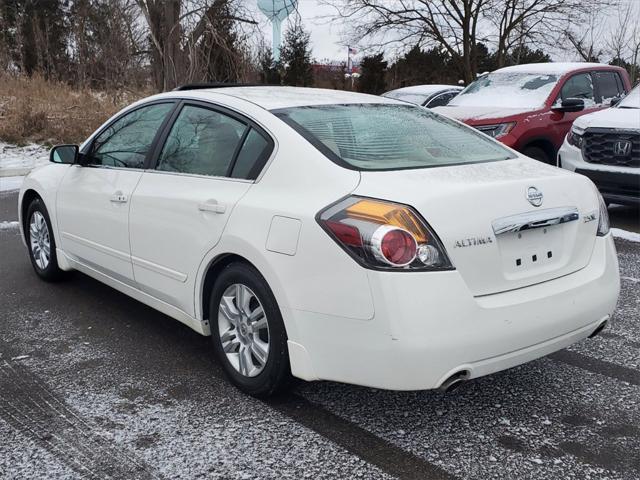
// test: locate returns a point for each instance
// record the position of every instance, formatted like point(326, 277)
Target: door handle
point(118, 197)
point(212, 206)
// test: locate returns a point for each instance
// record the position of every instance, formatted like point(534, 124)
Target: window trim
point(249, 124)
point(89, 146)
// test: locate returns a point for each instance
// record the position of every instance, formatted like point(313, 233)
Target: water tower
point(276, 11)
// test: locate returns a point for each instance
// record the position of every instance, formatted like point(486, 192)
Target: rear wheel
point(248, 333)
point(40, 242)
point(537, 153)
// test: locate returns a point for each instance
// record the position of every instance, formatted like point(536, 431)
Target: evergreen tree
point(372, 70)
point(295, 56)
point(268, 70)
point(418, 67)
point(523, 54)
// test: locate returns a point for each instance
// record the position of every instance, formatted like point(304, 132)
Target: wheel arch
point(28, 196)
point(543, 143)
point(250, 256)
point(216, 266)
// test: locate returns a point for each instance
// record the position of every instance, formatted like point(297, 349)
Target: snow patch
point(625, 235)
point(15, 161)
point(21, 357)
point(9, 184)
point(4, 225)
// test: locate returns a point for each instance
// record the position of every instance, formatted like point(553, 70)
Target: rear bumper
point(428, 326)
point(616, 184)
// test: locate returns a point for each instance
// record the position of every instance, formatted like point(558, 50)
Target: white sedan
point(328, 236)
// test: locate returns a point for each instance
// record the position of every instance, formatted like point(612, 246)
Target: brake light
point(384, 235)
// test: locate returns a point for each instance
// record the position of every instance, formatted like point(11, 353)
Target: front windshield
point(390, 136)
point(632, 100)
point(416, 98)
point(507, 89)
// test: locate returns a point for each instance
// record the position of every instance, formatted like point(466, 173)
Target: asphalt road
point(96, 385)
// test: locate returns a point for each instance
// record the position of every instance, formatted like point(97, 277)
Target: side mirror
point(615, 101)
point(570, 105)
point(67, 154)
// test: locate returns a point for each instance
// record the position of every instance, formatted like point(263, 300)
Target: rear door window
point(201, 142)
point(579, 86)
point(441, 99)
point(608, 86)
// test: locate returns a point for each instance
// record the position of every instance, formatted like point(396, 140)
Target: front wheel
point(537, 154)
point(248, 334)
point(40, 242)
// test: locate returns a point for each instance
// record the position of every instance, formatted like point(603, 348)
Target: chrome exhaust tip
point(454, 381)
point(599, 329)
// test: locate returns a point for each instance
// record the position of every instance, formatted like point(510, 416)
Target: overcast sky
point(328, 38)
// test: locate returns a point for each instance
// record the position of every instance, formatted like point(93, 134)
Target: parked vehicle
point(425, 95)
point(605, 146)
point(328, 235)
point(531, 107)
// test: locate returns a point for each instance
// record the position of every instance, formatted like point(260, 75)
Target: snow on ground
point(16, 161)
point(625, 235)
point(4, 225)
point(8, 184)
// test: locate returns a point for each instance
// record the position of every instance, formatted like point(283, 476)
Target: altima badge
point(534, 196)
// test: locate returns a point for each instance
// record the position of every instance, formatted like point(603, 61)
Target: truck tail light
point(384, 235)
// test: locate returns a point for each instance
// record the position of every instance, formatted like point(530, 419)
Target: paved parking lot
point(96, 385)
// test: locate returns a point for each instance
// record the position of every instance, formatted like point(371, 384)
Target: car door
point(179, 210)
point(93, 198)
point(579, 85)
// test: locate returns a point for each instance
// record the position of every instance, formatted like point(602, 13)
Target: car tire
point(41, 242)
point(537, 153)
point(239, 332)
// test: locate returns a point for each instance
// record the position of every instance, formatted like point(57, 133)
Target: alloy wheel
point(39, 240)
point(243, 330)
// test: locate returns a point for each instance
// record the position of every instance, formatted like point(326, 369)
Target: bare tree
point(176, 30)
point(539, 22)
point(623, 40)
point(585, 38)
point(452, 24)
point(459, 26)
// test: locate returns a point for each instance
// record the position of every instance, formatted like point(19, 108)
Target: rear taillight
point(384, 235)
point(603, 217)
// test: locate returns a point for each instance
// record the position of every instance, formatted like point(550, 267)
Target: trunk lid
point(472, 208)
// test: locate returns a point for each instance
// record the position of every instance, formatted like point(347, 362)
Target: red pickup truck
point(531, 107)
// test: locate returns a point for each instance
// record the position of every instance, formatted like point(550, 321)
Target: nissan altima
point(328, 235)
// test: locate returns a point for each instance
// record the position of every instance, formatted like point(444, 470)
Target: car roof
point(275, 97)
point(558, 68)
point(425, 89)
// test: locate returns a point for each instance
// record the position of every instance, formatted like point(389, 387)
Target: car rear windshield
point(390, 136)
point(508, 90)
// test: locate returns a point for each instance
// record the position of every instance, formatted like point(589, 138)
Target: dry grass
point(35, 110)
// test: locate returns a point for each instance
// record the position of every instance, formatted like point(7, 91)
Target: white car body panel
point(396, 330)
point(459, 202)
point(174, 221)
point(93, 218)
